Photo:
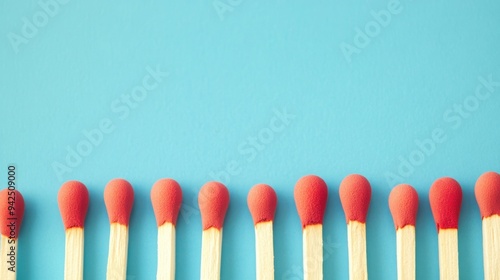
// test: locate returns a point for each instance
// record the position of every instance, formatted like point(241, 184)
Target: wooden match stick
point(73, 200)
point(355, 194)
point(311, 195)
point(119, 198)
point(403, 203)
point(487, 193)
point(166, 197)
point(262, 202)
point(11, 217)
point(445, 197)
point(213, 200)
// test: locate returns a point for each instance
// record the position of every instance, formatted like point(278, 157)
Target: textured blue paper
point(360, 94)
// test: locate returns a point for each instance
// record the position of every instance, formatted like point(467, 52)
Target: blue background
point(229, 72)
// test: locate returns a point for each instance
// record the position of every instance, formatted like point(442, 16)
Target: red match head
point(445, 197)
point(213, 200)
point(311, 194)
point(11, 211)
point(487, 193)
point(119, 198)
point(262, 202)
point(73, 200)
point(355, 194)
point(166, 197)
point(403, 203)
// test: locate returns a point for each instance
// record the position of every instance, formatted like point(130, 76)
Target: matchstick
point(311, 195)
point(166, 197)
point(11, 217)
point(403, 204)
point(119, 198)
point(487, 193)
point(355, 194)
point(73, 200)
point(262, 202)
point(213, 200)
point(445, 197)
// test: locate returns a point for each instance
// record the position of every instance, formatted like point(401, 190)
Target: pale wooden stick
point(5, 248)
point(491, 247)
point(211, 247)
point(448, 254)
point(73, 262)
point(264, 250)
point(405, 240)
point(356, 242)
point(118, 248)
point(166, 252)
point(312, 238)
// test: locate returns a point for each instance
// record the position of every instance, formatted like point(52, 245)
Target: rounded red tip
point(213, 200)
point(73, 200)
point(355, 194)
point(262, 202)
point(487, 193)
point(445, 197)
point(11, 212)
point(311, 194)
point(166, 197)
point(403, 203)
point(119, 198)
